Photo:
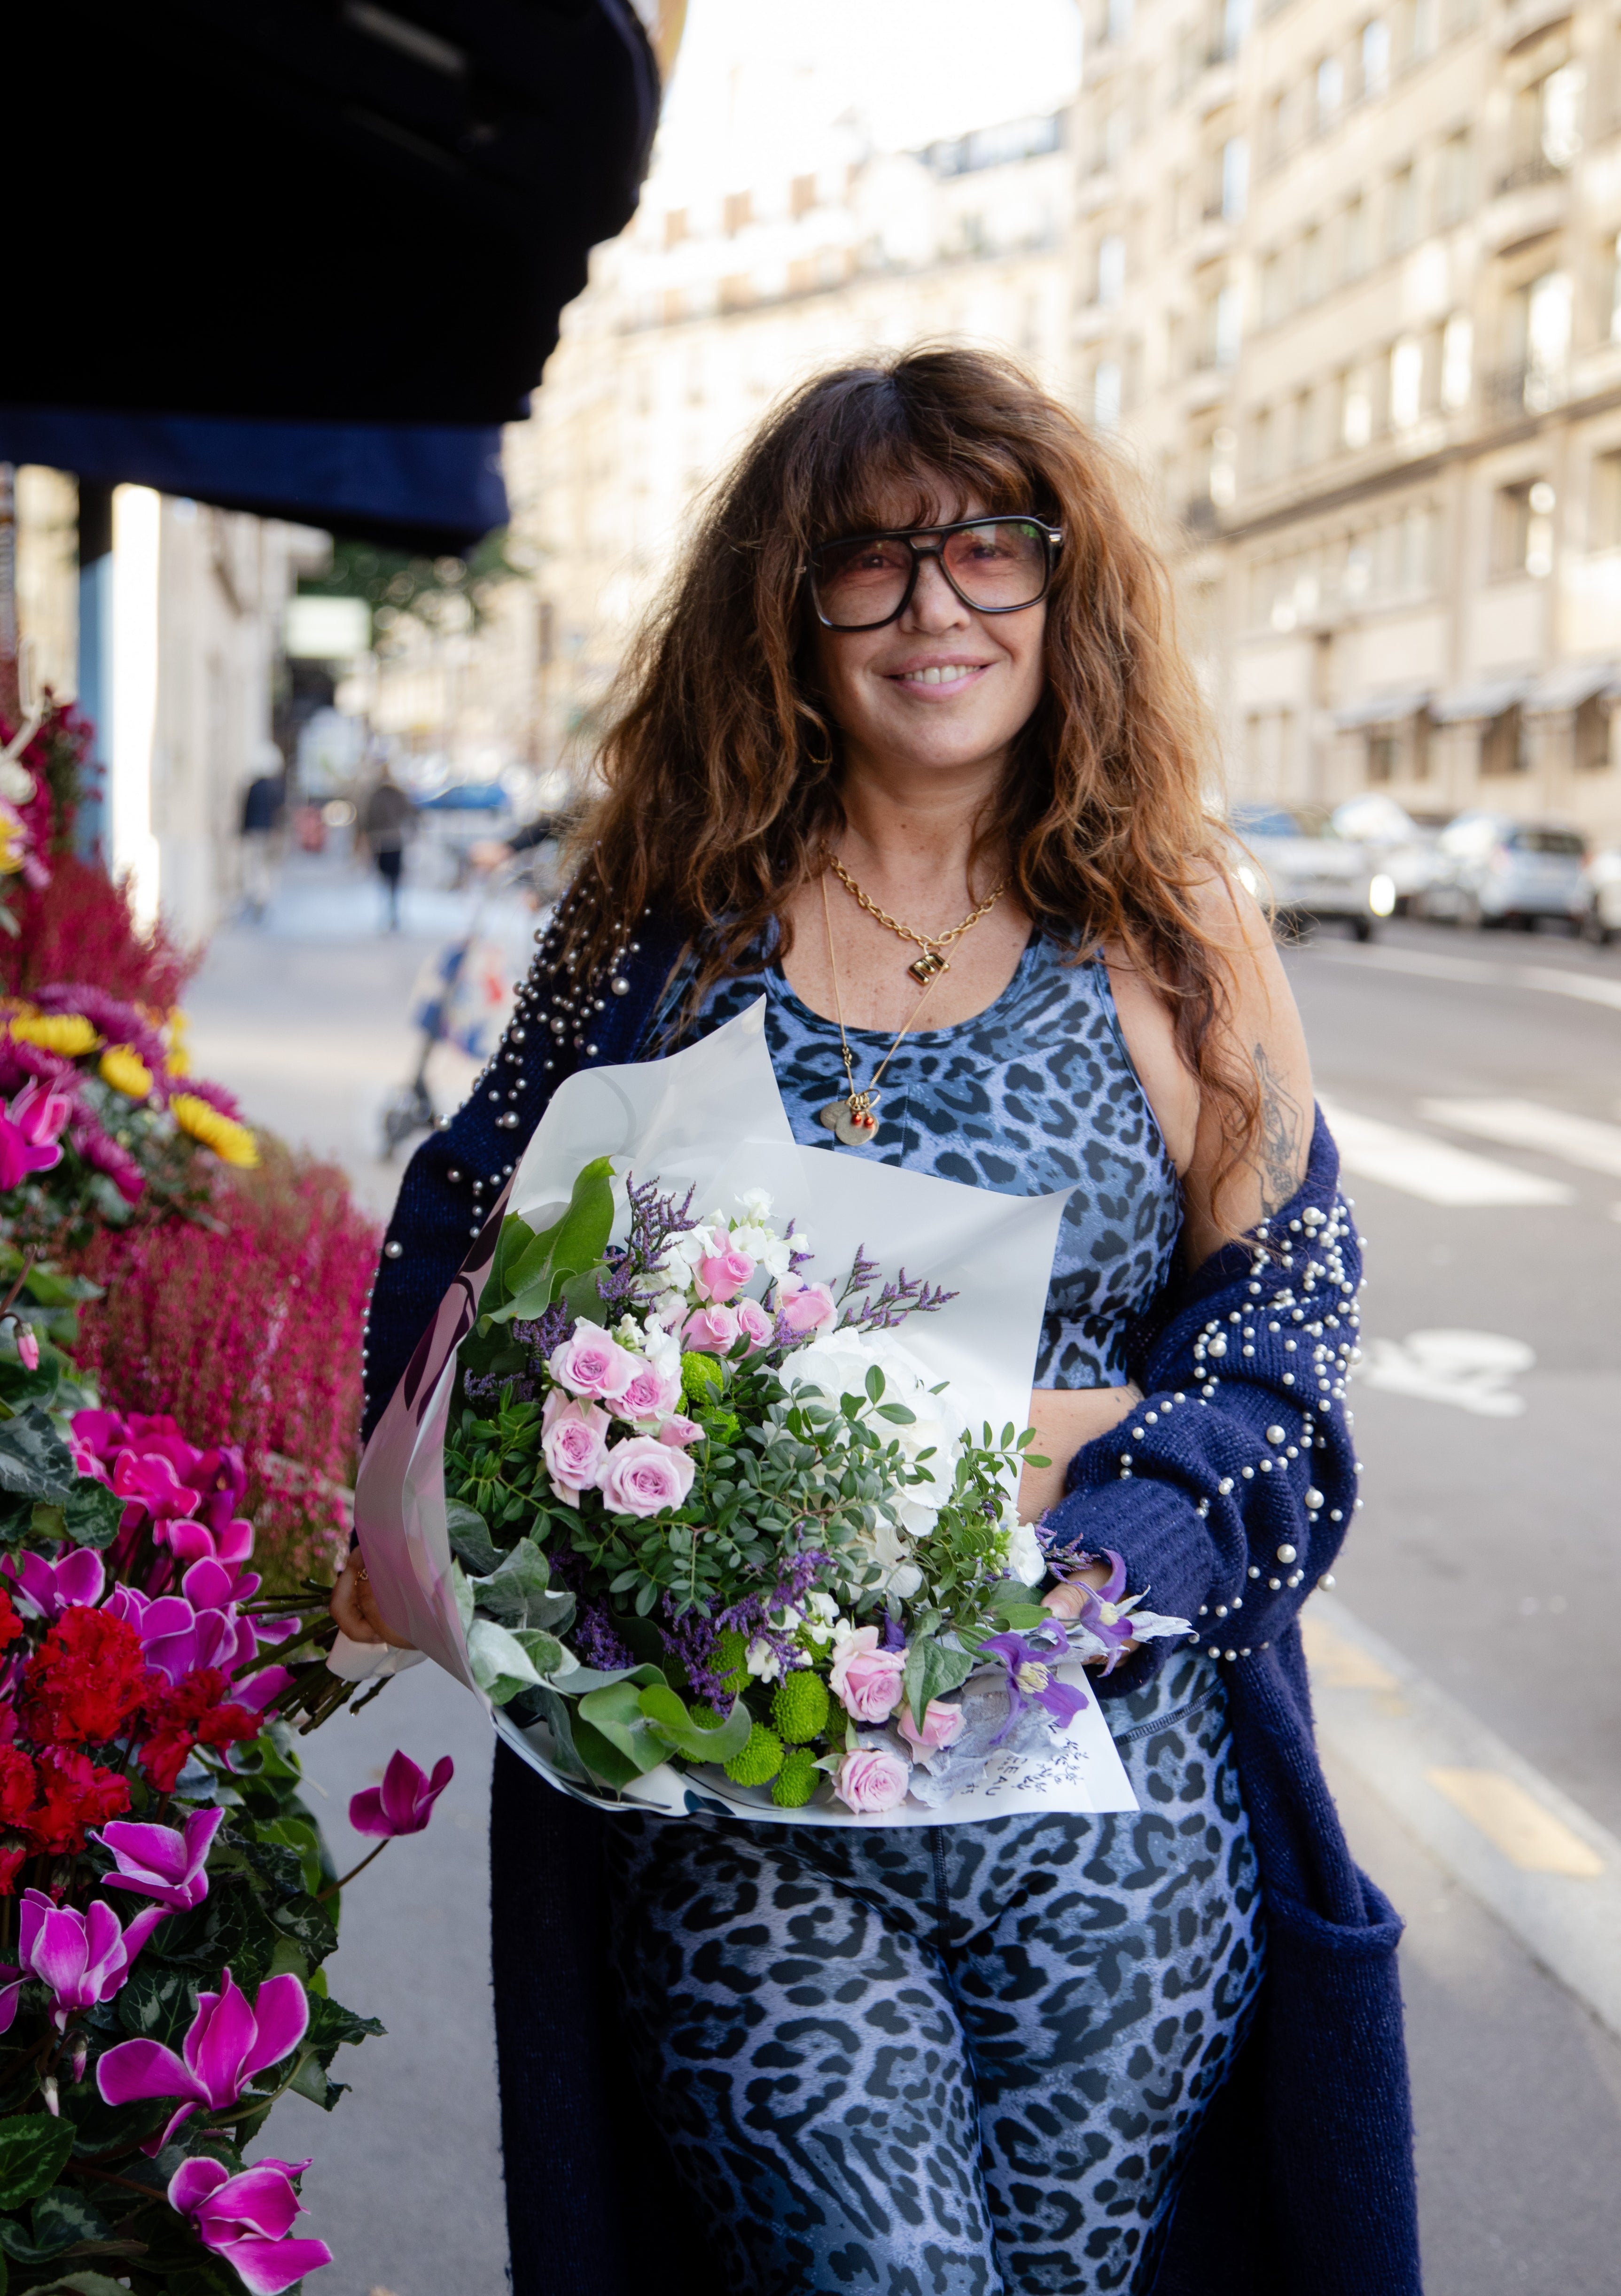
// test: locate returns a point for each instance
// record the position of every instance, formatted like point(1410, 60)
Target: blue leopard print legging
point(947, 2061)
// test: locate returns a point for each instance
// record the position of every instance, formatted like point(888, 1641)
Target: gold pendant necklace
point(928, 964)
point(853, 1120)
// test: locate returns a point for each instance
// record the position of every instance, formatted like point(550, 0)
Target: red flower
point(11, 1625)
point(85, 1680)
point(16, 1787)
point(12, 1854)
point(195, 1711)
point(74, 1794)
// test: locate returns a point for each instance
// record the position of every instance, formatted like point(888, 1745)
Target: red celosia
point(16, 1787)
point(85, 1680)
point(12, 1854)
point(11, 1625)
point(74, 1795)
point(196, 1712)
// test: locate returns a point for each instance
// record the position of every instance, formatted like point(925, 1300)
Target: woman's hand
point(354, 1606)
point(1063, 1419)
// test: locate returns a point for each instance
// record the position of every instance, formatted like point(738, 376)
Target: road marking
point(1581, 1140)
point(1514, 1822)
point(1470, 1369)
point(1589, 986)
point(1401, 1734)
point(1553, 980)
point(1433, 1168)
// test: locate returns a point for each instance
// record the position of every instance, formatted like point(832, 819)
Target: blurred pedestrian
point(264, 806)
point(386, 823)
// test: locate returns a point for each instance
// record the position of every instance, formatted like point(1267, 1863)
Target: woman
point(910, 752)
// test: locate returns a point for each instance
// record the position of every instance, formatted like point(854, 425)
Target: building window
point(1356, 410)
point(1454, 173)
point(1272, 289)
point(1235, 27)
point(1375, 55)
point(1383, 750)
point(737, 212)
point(1406, 383)
point(801, 195)
point(675, 226)
point(1330, 91)
point(1591, 732)
point(1106, 394)
point(1111, 270)
point(1306, 428)
point(1604, 525)
point(736, 291)
point(1265, 447)
point(1117, 22)
point(1457, 360)
point(1522, 528)
point(1401, 210)
point(1310, 274)
point(1228, 327)
point(1614, 298)
point(1353, 240)
point(1503, 745)
point(1235, 178)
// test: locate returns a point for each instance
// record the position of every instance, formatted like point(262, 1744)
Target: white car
point(1402, 848)
point(1296, 861)
point(1494, 869)
point(1602, 895)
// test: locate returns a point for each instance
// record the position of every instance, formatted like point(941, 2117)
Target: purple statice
point(656, 1220)
point(498, 1387)
point(904, 1295)
point(595, 1642)
point(694, 1638)
point(542, 1334)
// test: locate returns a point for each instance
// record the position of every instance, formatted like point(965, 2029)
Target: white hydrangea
point(755, 1204)
point(836, 1362)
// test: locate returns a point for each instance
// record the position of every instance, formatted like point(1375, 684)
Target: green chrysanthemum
point(702, 1378)
point(801, 1707)
point(761, 1759)
point(796, 1781)
point(730, 1661)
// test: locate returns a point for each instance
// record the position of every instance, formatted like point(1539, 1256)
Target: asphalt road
point(1484, 1554)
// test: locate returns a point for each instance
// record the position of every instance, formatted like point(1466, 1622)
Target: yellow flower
point(68, 1033)
point(13, 841)
point(178, 1059)
point(231, 1142)
point(126, 1071)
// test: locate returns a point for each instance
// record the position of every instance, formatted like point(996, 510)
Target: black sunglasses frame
point(1052, 537)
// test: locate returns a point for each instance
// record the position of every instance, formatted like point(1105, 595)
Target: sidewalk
point(1517, 2083)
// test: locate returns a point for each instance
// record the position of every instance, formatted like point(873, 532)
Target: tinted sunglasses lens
point(1001, 566)
point(858, 583)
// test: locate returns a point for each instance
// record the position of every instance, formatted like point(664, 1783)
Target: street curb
point(1396, 1730)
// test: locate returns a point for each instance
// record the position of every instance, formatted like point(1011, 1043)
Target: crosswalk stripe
point(1432, 964)
point(1581, 1140)
point(1431, 1168)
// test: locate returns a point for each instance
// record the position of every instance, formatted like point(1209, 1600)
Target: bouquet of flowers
point(711, 1515)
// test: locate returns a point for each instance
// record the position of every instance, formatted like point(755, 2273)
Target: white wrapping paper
point(711, 1116)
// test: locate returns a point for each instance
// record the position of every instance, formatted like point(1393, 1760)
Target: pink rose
point(804, 1307)
point(643, 1476)
point(942, 1725)
point(721, 1276)
point(754, 1323)
point(650, 1392)
point(589, 1363)
point(679, 1432)
point(865, 1680)
point(870, 1781)
point(573, 1435)
point(711, 1331)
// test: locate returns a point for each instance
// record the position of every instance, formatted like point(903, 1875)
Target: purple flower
point(403, 1803)
point(82, 1957)
point(247, 2219)
point(76, 1577)
point(1099, 1613)
point(227, 2044)
point(1029, 1660)
point(178, 1638)
point(161, 1863)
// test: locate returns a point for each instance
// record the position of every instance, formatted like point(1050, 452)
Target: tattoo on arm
point(1280, 1136)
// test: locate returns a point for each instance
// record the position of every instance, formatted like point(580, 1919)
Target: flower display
point(163, 1862)
point(82, 1957)
point(711, 1512)
point(229, 2040)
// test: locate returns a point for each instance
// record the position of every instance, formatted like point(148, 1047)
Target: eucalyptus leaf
point(615, 1714)
point(470, 1538)
point(500, 1664)
point(544, 1652)
point(518, 1581)
point(672, 1721)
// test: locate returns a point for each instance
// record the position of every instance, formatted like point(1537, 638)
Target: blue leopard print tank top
point(1034, 1094)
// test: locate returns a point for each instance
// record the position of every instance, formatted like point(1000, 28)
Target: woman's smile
point(938, 680)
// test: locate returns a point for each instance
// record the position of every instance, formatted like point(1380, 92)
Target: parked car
point(1401, 848)
point(465, 815)
point(1493, 870)
point(1601, 897)
point(1294, 859)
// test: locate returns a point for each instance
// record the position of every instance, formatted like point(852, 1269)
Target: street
point(1468, 1701)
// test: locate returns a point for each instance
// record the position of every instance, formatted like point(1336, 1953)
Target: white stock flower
point(662, 1348)
point(748, 1237)
point(762, 1661)
point(755, 1202)
point(1022, 1553)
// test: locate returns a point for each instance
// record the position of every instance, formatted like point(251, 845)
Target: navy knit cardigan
point(1228, 1492)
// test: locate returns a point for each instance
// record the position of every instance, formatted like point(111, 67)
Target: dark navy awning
point(423, 489)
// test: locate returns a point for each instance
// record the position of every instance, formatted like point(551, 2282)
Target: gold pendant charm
point(927, 966)
point(852, 1121)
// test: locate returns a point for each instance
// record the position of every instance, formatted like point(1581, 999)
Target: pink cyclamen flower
point(82, 1957)
point(30, 1129)
point(754, 1323)
point(148, 1480)
point(591, 1364)
point(804, 1307)
point(679, 1432)
point(651, 1392)
point(227, 2043)
point(161, 1863)
point(865, 1680)
point(942, 1725)
point(711, 1331)
point(403, 1803)
point(723, 1274)
point(643, 1476)
point(78, 1576)
point(573, 1441)
point(870, 1781)
point(247, 2219)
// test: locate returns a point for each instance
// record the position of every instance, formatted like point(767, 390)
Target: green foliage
point(35, 1463)
point(801, 1707)
point(34, 2148)
point(796, 1781)
point(530, 1271)
point(443, 593)
point(760, 1758)
point(934, 1670)
point(697, 1732)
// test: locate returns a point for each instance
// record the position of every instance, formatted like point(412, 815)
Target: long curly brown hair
point(721, 767)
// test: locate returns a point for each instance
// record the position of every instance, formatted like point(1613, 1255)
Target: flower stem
point(332, 1889)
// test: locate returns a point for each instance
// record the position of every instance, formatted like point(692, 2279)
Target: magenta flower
point(29, 1130)
point(150, 1478)
point(247, 2219)
point(82, 1957)
point(1099, 1613)
point(178, 1639)
point(403, 1803)
point(227, 2044)
point(161, 1863)
point(1029, 1660)
point(76, 1578)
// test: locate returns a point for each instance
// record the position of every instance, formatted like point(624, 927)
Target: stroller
point(464, 996)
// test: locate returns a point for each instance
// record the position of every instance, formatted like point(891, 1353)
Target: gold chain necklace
point(929, 964)
point(852, 1119)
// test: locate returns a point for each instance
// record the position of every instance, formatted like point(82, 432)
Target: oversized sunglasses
point(994, 565)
